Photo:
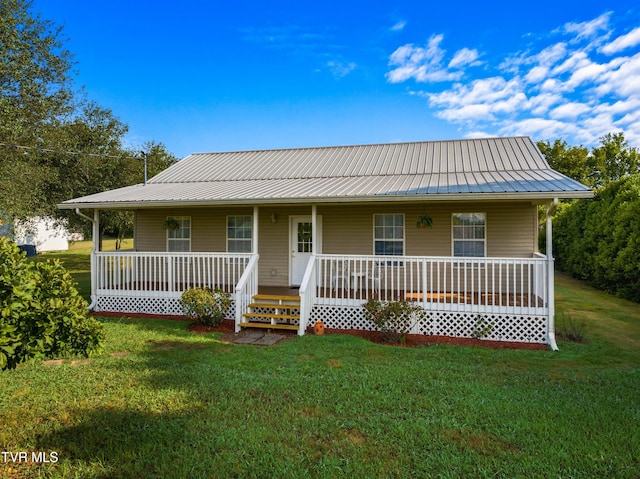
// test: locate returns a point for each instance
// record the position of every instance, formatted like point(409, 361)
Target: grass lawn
point(185, 405)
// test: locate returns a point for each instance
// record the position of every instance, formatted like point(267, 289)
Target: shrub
point(599, 240)
point(42, 315)
point(205, 305)
point(570, 329)
point(394, 319)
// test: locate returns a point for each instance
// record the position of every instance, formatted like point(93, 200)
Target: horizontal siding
point(347, 229)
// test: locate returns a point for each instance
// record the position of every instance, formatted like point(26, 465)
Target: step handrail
point(307, 292)
point(246, 288)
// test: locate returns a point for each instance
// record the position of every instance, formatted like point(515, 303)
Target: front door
point(301, 246)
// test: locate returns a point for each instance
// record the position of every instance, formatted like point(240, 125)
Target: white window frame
point(248, 240)
point(375, 239)
point(172, 241)
point(454, 240)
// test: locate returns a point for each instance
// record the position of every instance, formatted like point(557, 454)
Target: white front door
point(301, 246)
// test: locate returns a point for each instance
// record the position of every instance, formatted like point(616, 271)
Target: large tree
point(36, 91)
point(611, 160)
point(54, 143)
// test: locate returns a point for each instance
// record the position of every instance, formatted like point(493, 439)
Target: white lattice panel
point(498, 327)
point(123, 304)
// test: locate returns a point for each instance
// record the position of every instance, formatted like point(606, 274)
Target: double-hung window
point(239, 228)
point(388, 234)
point(179, 234)
point(469, 235)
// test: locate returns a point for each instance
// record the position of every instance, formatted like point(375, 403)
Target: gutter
point(94, 297)
point(457, 197)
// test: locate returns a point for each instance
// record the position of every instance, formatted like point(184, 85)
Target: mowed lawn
point(174, 404)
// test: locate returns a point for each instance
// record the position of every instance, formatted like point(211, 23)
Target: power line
point(47, 150)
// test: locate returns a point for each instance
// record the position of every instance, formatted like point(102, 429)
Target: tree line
point(598, 240)
point(55, 143)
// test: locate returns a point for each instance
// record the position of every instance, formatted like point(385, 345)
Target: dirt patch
point(168, 345)
point(413, 340)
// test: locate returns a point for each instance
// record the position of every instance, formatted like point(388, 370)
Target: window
point(469, 235)
point(388, 234)
point(179, 237)
point(239, 233)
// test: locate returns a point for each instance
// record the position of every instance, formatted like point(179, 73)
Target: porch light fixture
point(274, 218)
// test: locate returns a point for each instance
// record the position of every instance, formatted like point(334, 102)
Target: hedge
point(598, 240)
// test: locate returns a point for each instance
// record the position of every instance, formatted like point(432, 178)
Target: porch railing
point(503, 285)
point(160, 273)
point(307, 292)
point(246, 289)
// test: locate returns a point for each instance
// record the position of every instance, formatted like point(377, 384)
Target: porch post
point(95, 237)
point(254, 236)
point(551, 207)
point(314, 229)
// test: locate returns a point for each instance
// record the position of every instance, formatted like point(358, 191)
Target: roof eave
point(521, 196)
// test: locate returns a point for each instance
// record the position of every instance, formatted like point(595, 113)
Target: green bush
point(206, 306)
point(599, 240)
point(42, 314)
point(394, 319)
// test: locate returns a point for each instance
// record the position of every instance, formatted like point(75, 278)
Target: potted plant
point(424, 221)
point(171, 224)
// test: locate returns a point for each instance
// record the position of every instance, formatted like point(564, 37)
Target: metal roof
point(487, 168)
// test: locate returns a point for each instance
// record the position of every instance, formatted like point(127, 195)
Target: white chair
point(340, 277)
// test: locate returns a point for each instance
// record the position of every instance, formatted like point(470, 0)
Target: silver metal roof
point(488, 168)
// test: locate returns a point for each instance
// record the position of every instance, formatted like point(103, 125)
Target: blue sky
point(215, 76)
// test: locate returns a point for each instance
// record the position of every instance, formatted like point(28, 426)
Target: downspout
point(551, 208)
point(94, 224)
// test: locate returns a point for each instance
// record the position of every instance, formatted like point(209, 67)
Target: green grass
point(184, 405)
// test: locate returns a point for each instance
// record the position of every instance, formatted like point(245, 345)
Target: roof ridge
point(357, 145)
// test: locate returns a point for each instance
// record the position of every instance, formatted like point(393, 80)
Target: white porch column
point(551, 207)
point(254, 235)
point(95, 237)
point(314, 229)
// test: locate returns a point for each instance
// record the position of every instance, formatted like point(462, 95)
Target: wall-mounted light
point(274, 218)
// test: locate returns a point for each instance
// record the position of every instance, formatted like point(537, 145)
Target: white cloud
point(537, 74)
point(575, 86)
point(588, 29)
point(340, 69)
point(622, 78)
point(464, 57)
point(425, 64)
point(569, 111)
point(623, 42)
point(488, 90)
point(399, 26)
point(466, 113)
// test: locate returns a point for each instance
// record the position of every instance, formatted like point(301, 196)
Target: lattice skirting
point(123, 304)
point(498, 327)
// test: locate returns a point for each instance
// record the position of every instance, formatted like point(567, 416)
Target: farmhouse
point(300, 235)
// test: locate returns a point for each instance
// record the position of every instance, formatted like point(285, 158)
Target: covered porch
point(504, 298)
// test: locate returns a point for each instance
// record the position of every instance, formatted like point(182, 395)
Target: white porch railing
point(496, 285)
point(135, 273)
point(307, 292)
point(246, 289)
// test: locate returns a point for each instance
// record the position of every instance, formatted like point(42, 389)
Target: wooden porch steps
point(272, 311)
